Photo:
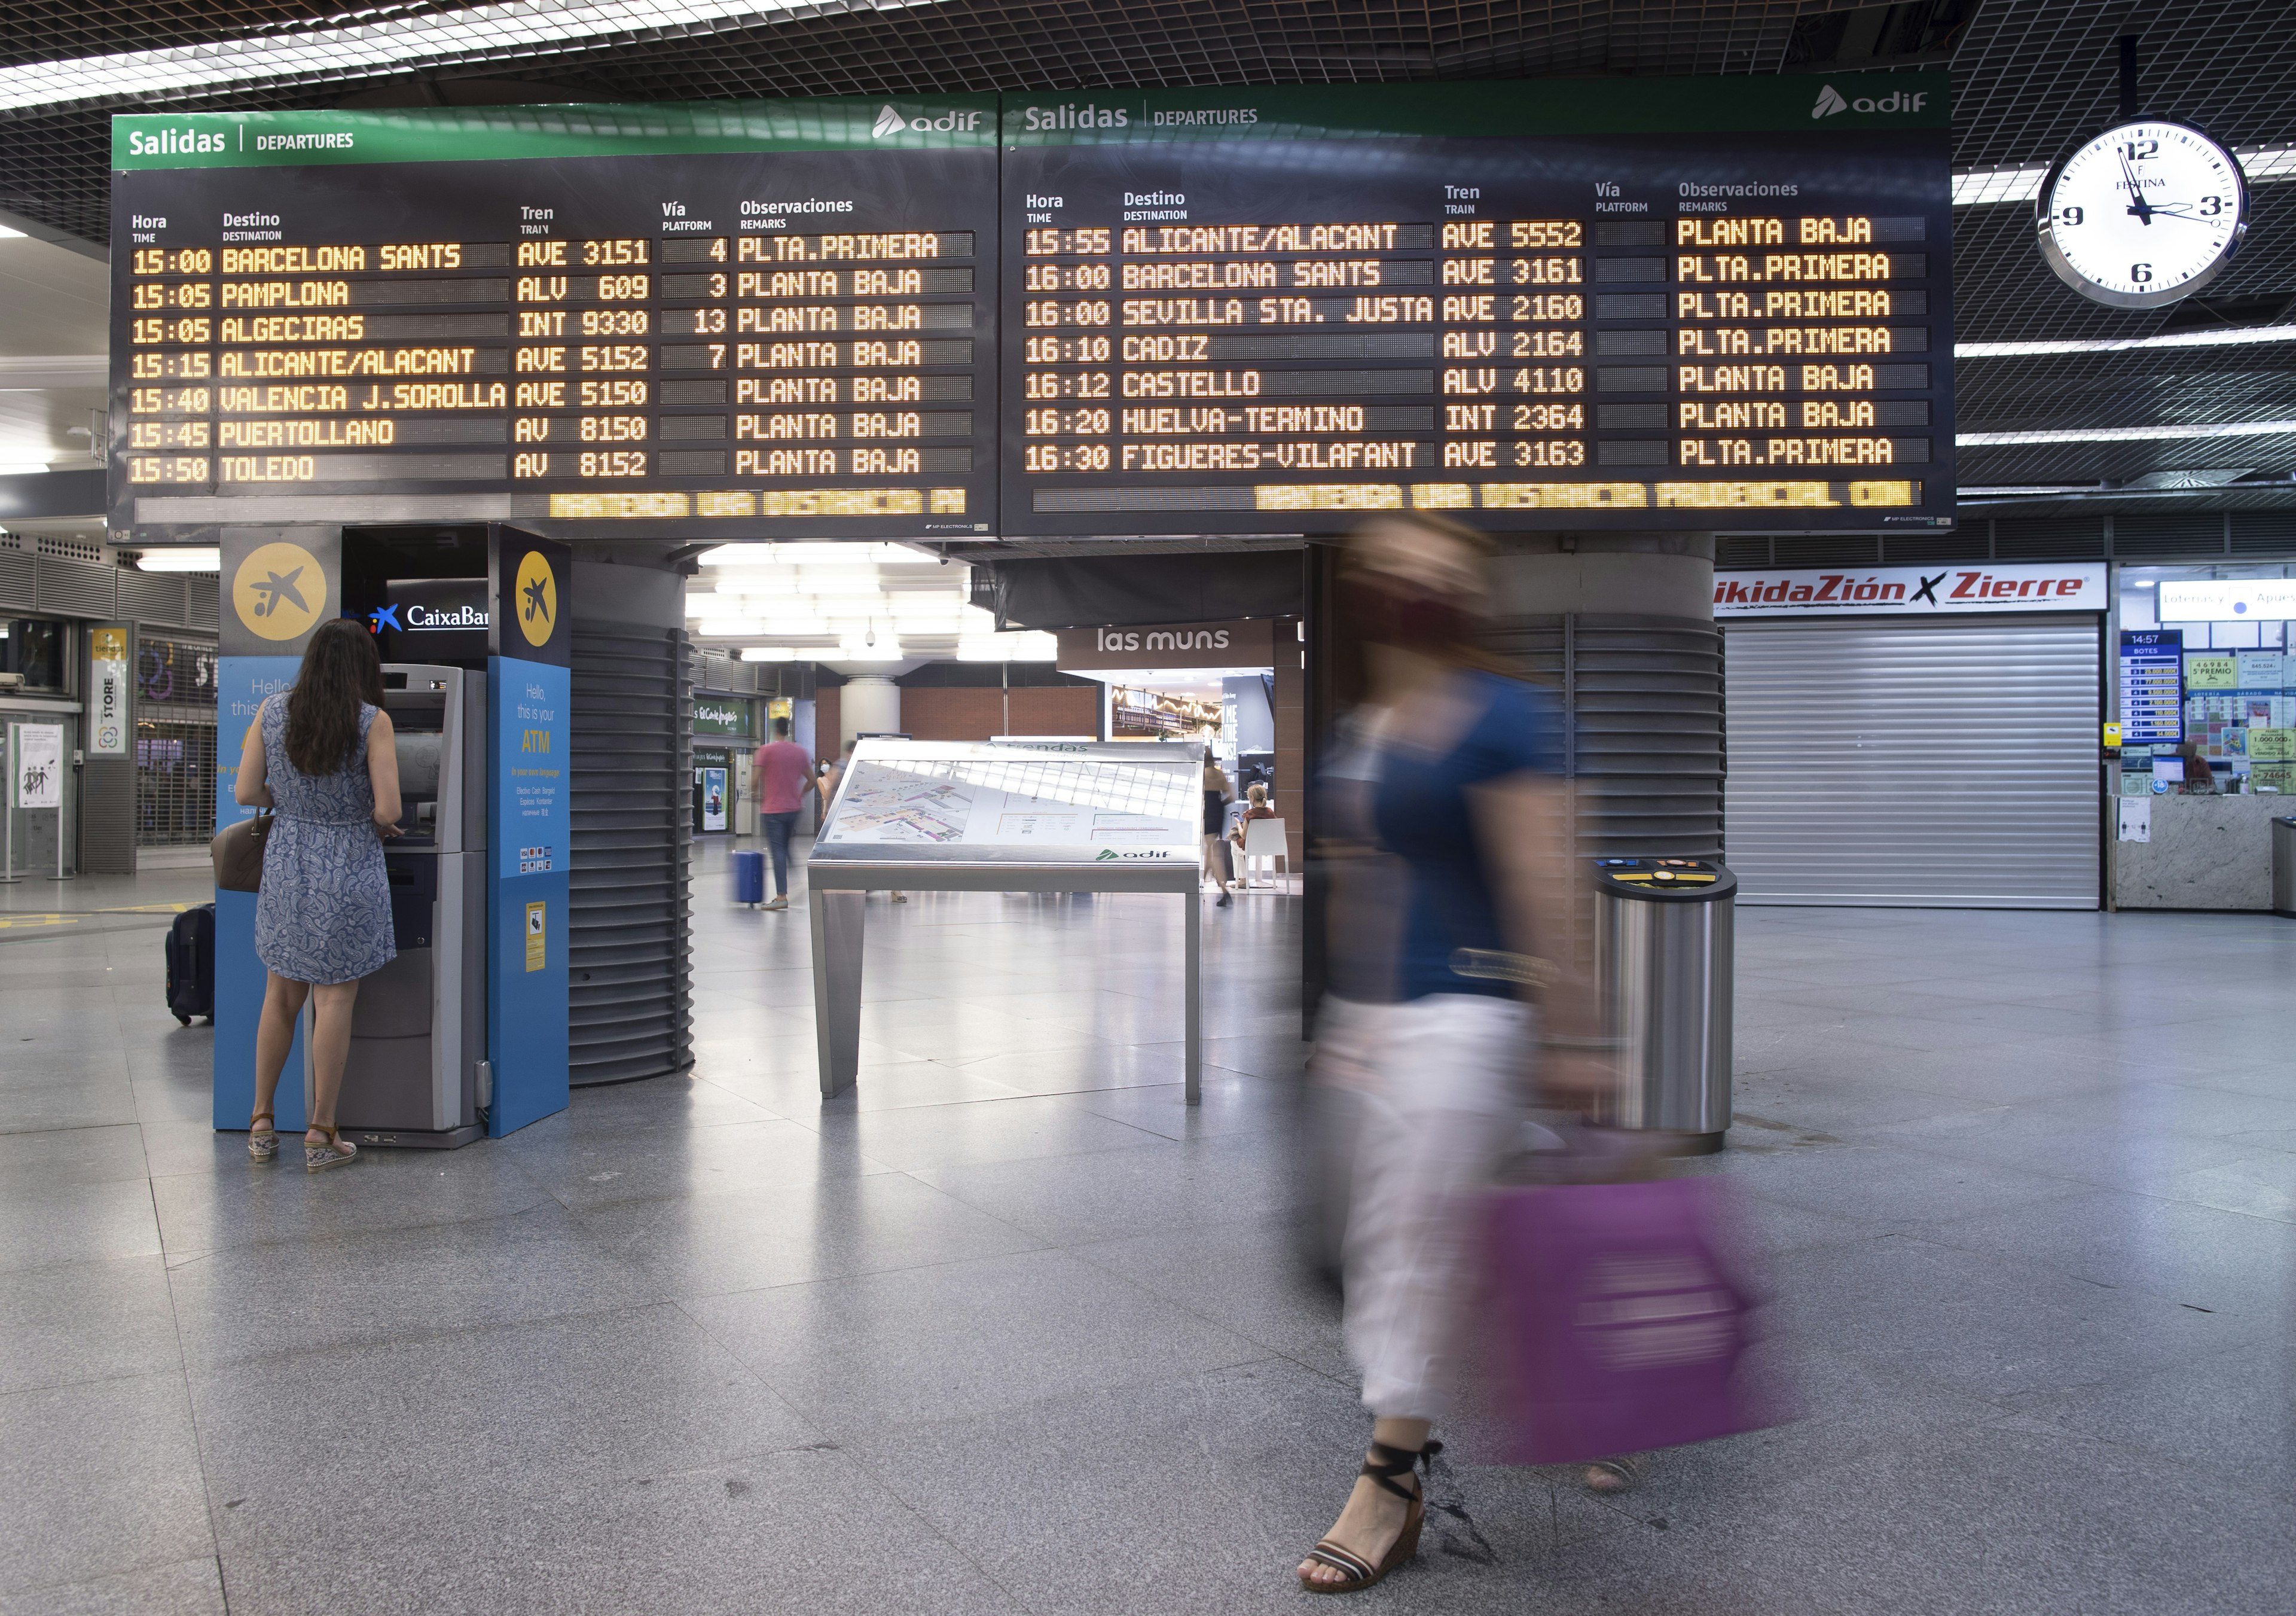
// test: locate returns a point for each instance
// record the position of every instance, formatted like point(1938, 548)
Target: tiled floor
point(1013, 1331)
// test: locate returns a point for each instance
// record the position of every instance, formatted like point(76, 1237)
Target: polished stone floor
point(1013, 1331)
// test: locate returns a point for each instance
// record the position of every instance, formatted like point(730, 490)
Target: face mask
point(1391, 613)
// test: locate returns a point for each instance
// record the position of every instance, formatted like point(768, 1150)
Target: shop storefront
point(725, 732)
point(1185, 681)
point(2205, 700)
point(1916, 737)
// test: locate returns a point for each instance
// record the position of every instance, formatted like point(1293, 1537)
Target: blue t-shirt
point(1423, 817)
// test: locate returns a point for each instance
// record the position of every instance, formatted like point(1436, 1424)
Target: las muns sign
point(1871, 591)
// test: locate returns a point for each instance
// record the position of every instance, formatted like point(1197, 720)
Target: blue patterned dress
point(323, 912)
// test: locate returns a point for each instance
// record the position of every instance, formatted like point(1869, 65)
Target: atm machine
point(417, 1073)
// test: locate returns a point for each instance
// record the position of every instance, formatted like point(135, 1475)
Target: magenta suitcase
point(1620, 1320)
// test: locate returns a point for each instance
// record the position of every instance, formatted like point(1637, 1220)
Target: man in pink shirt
point(784, 777)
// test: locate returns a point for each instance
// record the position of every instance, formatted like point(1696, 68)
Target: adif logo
point(1830, 102)
point(889, 122)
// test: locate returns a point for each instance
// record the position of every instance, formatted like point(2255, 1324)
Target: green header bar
point(1508, 107)
point(266, 140)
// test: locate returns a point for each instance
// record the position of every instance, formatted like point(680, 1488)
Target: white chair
point(1264, 839)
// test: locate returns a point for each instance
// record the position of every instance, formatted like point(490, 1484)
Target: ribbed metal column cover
point(631, 986)
point(1642, 701)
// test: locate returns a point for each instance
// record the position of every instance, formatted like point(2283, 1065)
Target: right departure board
point(1701, 304)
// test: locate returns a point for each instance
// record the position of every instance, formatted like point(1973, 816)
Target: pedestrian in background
point(1456, 768)
point(322, 755)
point(784, 777)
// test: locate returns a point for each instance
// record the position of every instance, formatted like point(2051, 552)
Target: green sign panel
point(714, 716)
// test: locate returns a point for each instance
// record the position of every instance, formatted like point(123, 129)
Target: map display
point(972, 800)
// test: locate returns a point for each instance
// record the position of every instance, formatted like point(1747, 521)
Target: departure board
point(727, 320)
point(1714, 304)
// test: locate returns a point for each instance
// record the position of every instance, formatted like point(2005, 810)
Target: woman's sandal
point(262, 1143)
point(1385, 1464)
point(334, 1152)
point(1617, 1474)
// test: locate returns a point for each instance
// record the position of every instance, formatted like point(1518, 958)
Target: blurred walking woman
point(1456, 769)
point(323, 755)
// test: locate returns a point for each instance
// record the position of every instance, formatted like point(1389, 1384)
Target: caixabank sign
point(1894, 591)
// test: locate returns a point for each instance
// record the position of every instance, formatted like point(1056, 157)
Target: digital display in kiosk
point(1538, 304)
point(775, 316)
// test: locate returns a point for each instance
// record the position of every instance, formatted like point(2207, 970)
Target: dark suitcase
point(749, 878)
point(190, 964)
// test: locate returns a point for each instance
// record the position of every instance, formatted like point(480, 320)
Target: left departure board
point(720, 321)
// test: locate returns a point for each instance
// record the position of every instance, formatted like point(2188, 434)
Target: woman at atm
point(323, 755)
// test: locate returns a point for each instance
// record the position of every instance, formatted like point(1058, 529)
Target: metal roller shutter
point(1915, 765)
point(630, 989)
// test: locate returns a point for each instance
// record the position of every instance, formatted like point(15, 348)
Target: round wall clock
point(2146, 213)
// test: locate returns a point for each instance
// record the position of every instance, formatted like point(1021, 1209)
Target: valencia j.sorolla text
point(752, 318)
point(1275, 310)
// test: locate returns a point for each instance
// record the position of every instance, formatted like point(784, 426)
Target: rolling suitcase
point(750, 879)
point(190, 964)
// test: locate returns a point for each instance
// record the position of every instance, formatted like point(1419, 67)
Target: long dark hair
point(340, 670)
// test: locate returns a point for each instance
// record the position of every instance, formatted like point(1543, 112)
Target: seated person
point(1257, 808)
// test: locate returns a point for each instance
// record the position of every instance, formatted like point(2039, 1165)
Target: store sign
point(1870, 591)
point(39, 765)
point(108, 692)
point(715, 717)
point(2228, 600)
point(1239, 642)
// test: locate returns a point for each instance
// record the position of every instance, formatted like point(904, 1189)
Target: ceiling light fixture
point(2239, 336)
point(1983, 187)
point(180, 561)
point(356, 49)
point(2126, 434)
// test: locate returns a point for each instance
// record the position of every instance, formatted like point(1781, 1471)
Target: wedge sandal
point(262, 1139)
point(334, 1152)
point(1383, 1466)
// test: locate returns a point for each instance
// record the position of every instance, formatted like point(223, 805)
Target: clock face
point(2144, 214)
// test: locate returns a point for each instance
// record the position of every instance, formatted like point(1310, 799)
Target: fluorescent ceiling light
point(1021, 647)
point(729, 627)
point(7, 234)
point(833, 552)
point(1980, 187)
point(2235, 338)
point(770, 654)
point(2127, 434)
point(180, 561)
point(356, 49)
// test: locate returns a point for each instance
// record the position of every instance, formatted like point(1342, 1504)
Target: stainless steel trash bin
point(1662, 953)
point(2283, 867)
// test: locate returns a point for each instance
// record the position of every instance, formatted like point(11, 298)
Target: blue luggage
point(190, 964)
point(749, 878)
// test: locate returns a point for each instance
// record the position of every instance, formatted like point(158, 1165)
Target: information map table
point(1009, 816)
point(1706, 303)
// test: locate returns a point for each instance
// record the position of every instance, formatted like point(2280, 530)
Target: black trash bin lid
point(1665, 880)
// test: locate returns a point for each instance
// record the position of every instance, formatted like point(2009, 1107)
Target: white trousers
point(1438, 1082)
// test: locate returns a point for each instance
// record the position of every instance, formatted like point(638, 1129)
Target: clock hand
point(2137, 204)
